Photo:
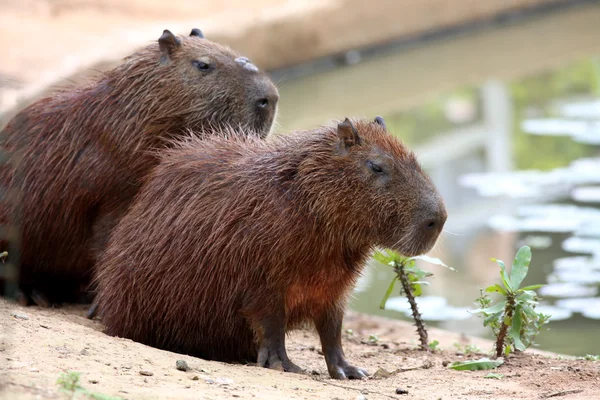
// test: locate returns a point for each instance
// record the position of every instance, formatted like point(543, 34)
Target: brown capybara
point(81, 155)
point(232, 243)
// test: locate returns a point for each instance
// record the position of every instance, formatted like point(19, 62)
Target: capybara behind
point(80, 155)
point(232, 243)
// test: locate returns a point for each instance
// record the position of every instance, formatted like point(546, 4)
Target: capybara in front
point(232, 243)
point(80, 155)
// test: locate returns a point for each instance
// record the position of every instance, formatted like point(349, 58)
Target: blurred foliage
point(533, 96)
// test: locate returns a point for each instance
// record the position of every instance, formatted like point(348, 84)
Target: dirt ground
point(38, 344)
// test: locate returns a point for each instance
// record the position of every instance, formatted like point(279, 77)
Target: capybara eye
point(375, 167)
point(262, 103)
point(201, 66)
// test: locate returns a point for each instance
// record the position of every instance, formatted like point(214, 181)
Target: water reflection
point(514, 157)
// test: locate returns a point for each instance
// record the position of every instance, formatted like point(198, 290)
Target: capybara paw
point(347, 372)
point(273, 361)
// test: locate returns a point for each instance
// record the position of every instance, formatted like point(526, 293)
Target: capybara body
point(233, 242)
point(80, 155)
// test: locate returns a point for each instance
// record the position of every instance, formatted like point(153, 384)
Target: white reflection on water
point(586, 194)
point(577, 263)
point(547, 218)
point(432, 308)
point(556, 313)
point(568, 289)
point(587, 306)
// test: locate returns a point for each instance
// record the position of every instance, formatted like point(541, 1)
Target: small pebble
point(187, 386)
point(209, 381)
point(361, 397)
point(84, 352)
point(401, 391)
point(146, 373)
point(195, 378)
point(385, 346)
point(181, 365)
point(365, 391)
point(445, 363)
point(145, 380)
point(93, 381)
point(20, 316)
point(315, 372)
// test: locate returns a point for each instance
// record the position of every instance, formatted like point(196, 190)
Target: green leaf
point(515, 330)
point(476, 365)
point(506, 280)
point(492, 375)
point(530, 287)
point(388, 293)
point(520, 266)
point(432, 260)
point(382, 258)
point(507, 349)
point(417, 290)
point(493, 309)
point(496, 288)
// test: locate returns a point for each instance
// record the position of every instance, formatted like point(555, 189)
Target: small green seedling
point(476, 365)
point(492, 375)
point(412, 279)
point(590, 357)
point(513, 319)
point(373, 338)
point(433, 346)
point(69, 384)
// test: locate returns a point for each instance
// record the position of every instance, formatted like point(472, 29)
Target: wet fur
point(79, 156)
point(227, 232)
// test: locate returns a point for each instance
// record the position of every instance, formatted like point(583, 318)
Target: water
point(508, 126)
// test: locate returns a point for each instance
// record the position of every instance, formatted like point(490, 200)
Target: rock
point(361, 397)
point(401, 391)
point(209, 381)
point(20, 316)
point(382, 373)
point(224, 381)
point(84, 352)
point(181, 365)
point(195, 378)
point(146, 373)
point(93, 381)
point(445, 363)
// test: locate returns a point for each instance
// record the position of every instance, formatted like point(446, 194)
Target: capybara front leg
point(271, 352)
point(329, 326)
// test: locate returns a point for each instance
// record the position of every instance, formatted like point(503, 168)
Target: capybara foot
point(347, 371)
point(270, 358)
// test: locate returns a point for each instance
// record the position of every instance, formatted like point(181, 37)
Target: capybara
point(233, 242)
point(81, 155)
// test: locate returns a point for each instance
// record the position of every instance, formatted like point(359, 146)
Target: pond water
point(508, 126)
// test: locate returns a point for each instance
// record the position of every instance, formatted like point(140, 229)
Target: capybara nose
point(434, 224)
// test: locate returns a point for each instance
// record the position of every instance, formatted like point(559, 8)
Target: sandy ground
point(38, 344)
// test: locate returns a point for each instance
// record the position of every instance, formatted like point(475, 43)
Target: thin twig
point(561, 393)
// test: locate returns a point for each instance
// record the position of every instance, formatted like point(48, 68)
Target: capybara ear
point(348, 135)
point(379, 121)
point(168, 43)
point(197, 32)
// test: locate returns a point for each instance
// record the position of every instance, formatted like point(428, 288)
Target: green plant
point(412, 279)
point(513, 319)
point(69, 383)
point(433, 346)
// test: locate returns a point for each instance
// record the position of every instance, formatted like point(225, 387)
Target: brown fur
point(81, 155)
point(230, 243)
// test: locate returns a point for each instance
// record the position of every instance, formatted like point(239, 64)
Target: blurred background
point(500, 100)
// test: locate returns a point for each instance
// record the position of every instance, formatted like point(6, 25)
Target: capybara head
point(376, 183)
point(206, 85)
